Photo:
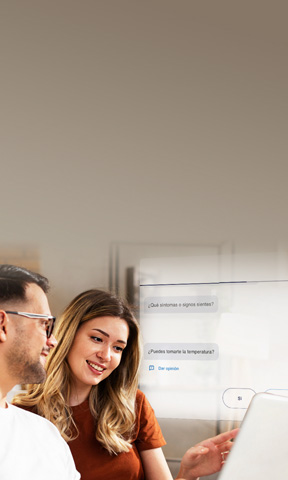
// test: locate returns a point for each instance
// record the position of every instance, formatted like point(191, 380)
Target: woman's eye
point(119, 349)
point(97, 339)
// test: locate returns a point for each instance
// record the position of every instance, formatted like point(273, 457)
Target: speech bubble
point(187, 304)
point(181, 351)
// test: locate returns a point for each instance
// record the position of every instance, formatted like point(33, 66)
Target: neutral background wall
point(127, 121)
point(156, 121)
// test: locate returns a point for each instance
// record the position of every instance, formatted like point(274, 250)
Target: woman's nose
point(104, 353)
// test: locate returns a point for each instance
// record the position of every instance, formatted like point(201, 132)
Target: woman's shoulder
point(148, 431)
point(142, 405)
point(141, 399)
point(140, 395)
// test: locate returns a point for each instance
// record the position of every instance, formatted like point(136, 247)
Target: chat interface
point(208, 348)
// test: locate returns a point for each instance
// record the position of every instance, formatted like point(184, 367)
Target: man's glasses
point(49, 324)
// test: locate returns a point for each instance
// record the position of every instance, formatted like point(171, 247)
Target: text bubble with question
point(181, 351)
point(187, 304)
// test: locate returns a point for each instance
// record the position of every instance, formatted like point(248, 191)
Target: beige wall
point(127, 121)
point(156, 121)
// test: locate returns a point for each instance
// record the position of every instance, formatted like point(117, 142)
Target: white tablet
point(260, 451)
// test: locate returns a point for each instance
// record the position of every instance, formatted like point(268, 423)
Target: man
point(30, 446)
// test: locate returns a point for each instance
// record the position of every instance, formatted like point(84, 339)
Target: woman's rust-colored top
point(95, 463)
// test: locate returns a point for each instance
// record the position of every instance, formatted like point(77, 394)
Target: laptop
point(260, 450)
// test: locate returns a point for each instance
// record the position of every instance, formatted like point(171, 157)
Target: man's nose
point(51, 342)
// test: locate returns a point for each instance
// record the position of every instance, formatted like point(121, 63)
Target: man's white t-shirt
point(31, 448)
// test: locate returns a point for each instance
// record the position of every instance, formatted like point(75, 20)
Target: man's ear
point(3, 326)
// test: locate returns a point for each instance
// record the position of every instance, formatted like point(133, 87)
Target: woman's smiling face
point(96, 351)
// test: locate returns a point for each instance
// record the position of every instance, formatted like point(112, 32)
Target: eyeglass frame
point(50, 326)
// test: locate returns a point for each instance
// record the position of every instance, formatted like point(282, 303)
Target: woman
point(91, 395)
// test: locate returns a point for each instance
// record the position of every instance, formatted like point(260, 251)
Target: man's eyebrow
point(107, 335)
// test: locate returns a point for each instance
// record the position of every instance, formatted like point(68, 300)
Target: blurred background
point(130, 128)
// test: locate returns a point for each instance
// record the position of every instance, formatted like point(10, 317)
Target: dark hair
point(14, 280)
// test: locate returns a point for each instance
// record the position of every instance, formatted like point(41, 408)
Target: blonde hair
point(112, 401)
